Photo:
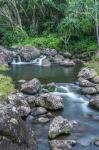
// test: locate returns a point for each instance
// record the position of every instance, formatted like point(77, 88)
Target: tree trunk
point(97, 33)
point(97, 23)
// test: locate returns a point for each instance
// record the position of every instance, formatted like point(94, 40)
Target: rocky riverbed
point(27, 54)
point(50, 109)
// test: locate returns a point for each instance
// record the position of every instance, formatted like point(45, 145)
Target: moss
point(6, 83)
point(3, 68)
point(94, 64)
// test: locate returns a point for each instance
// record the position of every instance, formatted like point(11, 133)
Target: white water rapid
point(37, 61)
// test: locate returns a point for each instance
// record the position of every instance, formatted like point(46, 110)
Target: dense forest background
point(59, 24)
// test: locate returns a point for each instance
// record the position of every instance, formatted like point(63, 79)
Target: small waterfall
point(37, 61)
point(67, 92)
point(13, 61)
point(64, 89)
point(19, 59)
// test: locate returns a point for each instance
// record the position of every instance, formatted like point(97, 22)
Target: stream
point(75, 104)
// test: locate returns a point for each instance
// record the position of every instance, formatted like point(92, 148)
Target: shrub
point(6, 83)
point(50, 41)
point(11, 37)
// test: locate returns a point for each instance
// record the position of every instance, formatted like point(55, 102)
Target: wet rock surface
point(14, 132)
point(62, 144)
point(85, 83)
point(67, 63)
point(29, 53)
point(31, 87)
point(50, 101)
point(94, 102)
point(89, 90)
point(46, 63)
point(87, 73)
point(58, 127)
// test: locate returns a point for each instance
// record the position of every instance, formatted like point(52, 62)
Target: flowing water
point(37, 61)
point(75, 104)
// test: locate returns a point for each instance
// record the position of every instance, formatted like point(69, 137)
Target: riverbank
point(48, 99)
point(6, 83)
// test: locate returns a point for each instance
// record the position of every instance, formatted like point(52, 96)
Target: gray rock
point(49, 52)
point(46, 63)
point(19, 101)
point(87, 73)
point(23, 111)
point(96, 79)
point(50, 101)
point(97, 88)
point(89, 90)
point(58, 127)
point(51, 87)
point(85, 83)
point(67, 63)
point(58, 59)
point(29, 53)
point(41, 110)
point(67, 54)
point(94, 102)
point(31, 87)
point(31, 100)
point(49, 114)
point(14, 132)
point(96, 142)
point(43, 119)
point(62, 144)
point(21, 81)
point(5, 55)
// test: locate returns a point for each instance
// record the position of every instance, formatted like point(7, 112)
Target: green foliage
point(6, 83)
point(14, 36)
point(69, 21)
point(93, 64)
point(50, 41)
point(84, 45)
point(3, 68)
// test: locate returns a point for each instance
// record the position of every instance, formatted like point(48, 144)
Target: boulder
point(29, 53)
point(96, 79)
point(51, 87)
point(6, 56)
point(85, 83)
point(62, 144)
point(19, 101)
point(14, 132)
point(41, 110)
point(46, 63)
point(43, 120)
point(97, 88)
point(58, 59)
point(89, 90)
point(87, 73)
point(21, 81)
point(49, 101)
point(58, 127)
point(96, 141)
point(31, 100)
point(67, 63)
point(67, 54)
point(94, 102)
point(31, 87)
point(49, 52)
